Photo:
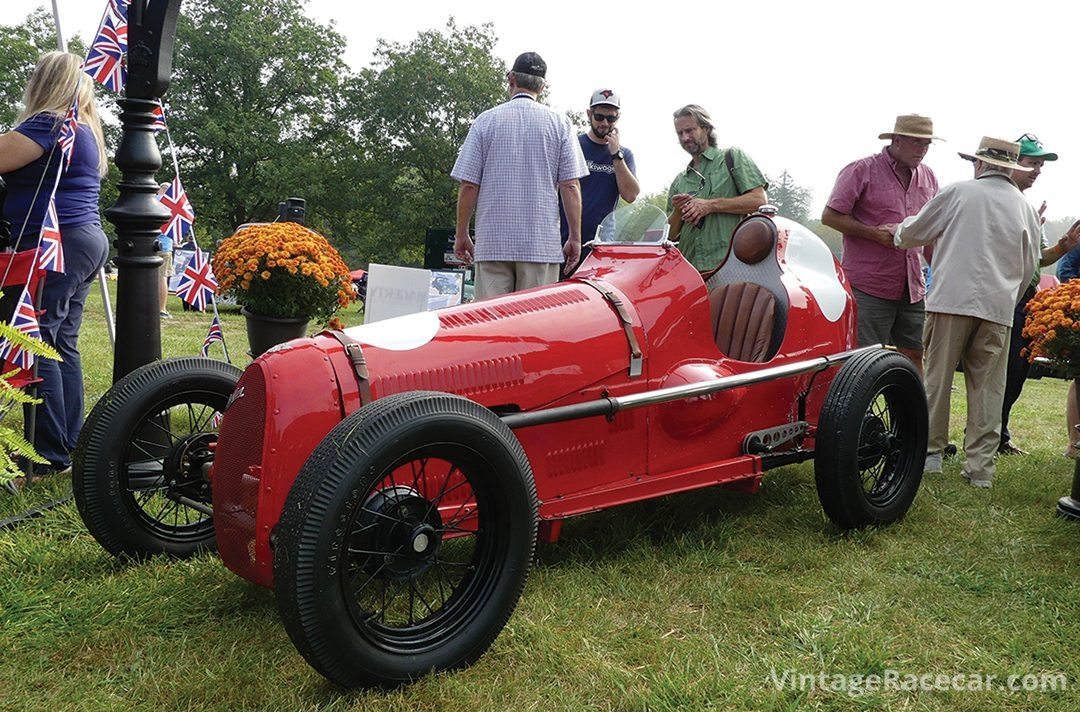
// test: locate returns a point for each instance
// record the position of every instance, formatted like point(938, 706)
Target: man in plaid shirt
point(517, 160)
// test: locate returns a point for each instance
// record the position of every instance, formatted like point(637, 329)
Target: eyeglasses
point(610, 118)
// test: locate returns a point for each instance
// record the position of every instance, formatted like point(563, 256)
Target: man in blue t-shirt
point(611, 167)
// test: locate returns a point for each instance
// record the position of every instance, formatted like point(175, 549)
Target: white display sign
point(395, 291)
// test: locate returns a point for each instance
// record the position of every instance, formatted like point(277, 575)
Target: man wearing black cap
point(1032, 156)
point(612, 172)
point(518, 159)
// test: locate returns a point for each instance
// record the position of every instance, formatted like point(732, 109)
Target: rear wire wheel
point(405, 541)
point(139, 471)
point(871, 440)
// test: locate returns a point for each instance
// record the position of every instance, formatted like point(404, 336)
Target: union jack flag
point(159, 118)
point(51, 249)
point(68, 130)
point(106, 61)
point(197, 283)
point(25, 320)
point(176, 200)
point(213, 335)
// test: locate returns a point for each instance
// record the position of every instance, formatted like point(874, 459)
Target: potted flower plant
point(1053, 325)
point(283, 275)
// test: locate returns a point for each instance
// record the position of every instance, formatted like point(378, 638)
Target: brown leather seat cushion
point(744, 314)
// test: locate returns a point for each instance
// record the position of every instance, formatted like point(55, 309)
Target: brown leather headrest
point(754, 239)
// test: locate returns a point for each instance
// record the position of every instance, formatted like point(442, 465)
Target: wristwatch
point(617, 156)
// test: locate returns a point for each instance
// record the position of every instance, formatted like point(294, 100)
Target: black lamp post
point(137, 214)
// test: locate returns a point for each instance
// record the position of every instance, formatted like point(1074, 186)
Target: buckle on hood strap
point(356, 358)
point(616, 302)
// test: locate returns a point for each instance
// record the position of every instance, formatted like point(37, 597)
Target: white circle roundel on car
point(811, 260)
point(401, 333)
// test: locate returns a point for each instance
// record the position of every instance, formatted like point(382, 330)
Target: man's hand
point(694, 210)
point(884, 234)
point(1042, 211)
point(613, 141)
point(463, 248)
point(1070, 239)
point(572, 252)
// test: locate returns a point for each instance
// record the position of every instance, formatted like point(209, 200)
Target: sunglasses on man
point(610, 118)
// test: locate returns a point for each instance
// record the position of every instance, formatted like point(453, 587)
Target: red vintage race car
point(390, 482)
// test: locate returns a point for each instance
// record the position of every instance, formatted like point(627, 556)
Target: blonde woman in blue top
point(30, 158)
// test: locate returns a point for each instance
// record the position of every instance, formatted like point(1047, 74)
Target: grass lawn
point(698, 601)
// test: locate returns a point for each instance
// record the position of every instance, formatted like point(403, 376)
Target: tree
point(412, 109)
point(255, 109)
point(20, 47)
point(791, 200)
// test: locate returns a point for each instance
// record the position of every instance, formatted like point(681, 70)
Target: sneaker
point(933, 463)
point(950, 451)
point(979, 483)
point(1007, 448)
point(165, 315)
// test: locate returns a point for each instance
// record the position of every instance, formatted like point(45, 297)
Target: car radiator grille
point(237, 466)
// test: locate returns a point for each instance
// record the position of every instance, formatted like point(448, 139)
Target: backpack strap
point(729, 161)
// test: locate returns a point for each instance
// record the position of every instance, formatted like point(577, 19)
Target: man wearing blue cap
point(1032, 156)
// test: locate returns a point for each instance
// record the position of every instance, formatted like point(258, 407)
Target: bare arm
point(570, 192)
point(1068, 241)
point(624, 178)
point(697, 208)
point(17, 151)
point(848, 225)
point(466, 206)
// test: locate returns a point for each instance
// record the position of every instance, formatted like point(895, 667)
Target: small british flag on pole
point(106, 61)
point(50, 247)
point(159, 118)
point(68, 130)
point(176, 200)
point(197, 283)
point(213, 335)
point(25, 320)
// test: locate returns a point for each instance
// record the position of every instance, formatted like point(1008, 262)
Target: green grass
point(687, 603)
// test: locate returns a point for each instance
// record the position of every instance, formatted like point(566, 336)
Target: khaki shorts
point(496, 278)
point(166, 266)
point(890, 321)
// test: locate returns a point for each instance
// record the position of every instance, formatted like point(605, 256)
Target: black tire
point(406, 540)
point(144, 446)
point(871, 440)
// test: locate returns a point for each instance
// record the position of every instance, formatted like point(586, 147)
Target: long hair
point(56, 80)
point(702, 117)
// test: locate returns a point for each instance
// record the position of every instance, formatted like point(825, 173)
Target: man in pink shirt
point(870, 194)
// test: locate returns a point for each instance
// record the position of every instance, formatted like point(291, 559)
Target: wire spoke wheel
point(871, 440)
point(139, 472)
point(406, 540)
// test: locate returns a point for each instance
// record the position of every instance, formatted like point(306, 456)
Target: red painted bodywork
point(552, 346)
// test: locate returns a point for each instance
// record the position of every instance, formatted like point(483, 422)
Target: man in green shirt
point(718, 188)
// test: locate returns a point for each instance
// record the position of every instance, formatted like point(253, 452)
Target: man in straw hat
point(869, 194)
point(986, 249)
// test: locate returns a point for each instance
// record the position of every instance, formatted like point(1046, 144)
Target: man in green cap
point(708, 199)
point(1032, 156)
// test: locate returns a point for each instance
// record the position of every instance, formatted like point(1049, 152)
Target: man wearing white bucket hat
point(986, 249)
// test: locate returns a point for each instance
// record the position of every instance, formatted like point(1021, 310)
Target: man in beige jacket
point(985, 239)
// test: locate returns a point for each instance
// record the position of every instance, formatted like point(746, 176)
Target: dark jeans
point(1018, 367)
point(60, 415)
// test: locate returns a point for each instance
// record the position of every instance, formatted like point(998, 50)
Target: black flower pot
point(265, 332)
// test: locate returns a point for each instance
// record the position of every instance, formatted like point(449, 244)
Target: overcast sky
point(802, 86)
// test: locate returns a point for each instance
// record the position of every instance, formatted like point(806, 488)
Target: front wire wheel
point(406, 540)
point(871, 440)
